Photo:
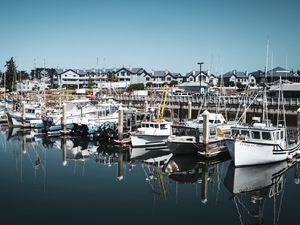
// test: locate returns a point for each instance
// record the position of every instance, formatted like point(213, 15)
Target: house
point(275, 74)
point(192, 81)
point(160, 77)
point(79, 78)
point(238, 77)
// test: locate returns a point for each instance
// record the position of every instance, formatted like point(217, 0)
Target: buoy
point(37, 115)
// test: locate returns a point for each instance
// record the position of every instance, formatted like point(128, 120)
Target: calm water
point(69, 181)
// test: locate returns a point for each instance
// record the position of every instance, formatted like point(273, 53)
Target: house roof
point(235, 73)
point(195, 73)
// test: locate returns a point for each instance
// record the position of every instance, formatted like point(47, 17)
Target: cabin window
point(147, 125)
point(211, 121)
point(143, 125)
point(266, 135)
point(163, 126)
point(282, 137)
point(255, 134)
point(218, 121)
point(277, 135)
point(234, 132)
point(245, 132)
point(151, 125)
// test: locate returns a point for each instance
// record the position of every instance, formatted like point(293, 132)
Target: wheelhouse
point(257, 134)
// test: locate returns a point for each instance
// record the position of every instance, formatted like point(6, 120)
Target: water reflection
point(156, 184)
point(253, 186)
point(192, 169)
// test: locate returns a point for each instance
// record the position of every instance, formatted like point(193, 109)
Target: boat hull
point(212, 149)
point(245, 153)
point(139, 140)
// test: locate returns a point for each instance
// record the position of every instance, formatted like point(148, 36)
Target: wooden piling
point(189, 110)
point(120, 123)
point(206, 131)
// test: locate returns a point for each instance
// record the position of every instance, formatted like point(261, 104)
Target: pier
point(212, 103)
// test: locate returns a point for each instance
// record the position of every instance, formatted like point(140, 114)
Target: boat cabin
point(258, 133)
point(156, 125)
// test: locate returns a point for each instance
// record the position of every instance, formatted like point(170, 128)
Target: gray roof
point(196, 72)
point(235, 73)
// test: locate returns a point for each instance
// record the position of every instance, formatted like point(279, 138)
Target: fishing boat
point(188, 138)
point(262, 142)
point(27, 115)
point(155, 132)
point(151, 134)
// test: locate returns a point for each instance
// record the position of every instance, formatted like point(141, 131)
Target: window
point(255, 134)
point(163, 126)
point(156, 125)
point(245, 132)
point(277, 136)
point(266, 135)
point(282, 136)
point(234, 132)
point(152, 125)
point(147, 78)
point(169, 78)
point(147, 125)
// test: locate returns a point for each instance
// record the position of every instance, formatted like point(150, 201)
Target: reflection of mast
point(204, 185)
point(120, 165)
point(161, 183)
point(297, 173)
point(64, 148)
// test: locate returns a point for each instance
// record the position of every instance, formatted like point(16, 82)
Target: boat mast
point(265, 103)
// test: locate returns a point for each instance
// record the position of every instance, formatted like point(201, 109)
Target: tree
point(231, 84)
point(149, 84)
point(112, 77)
point(133, 87)
point(11, 72)
point(240, 86)
point(173, 83)
point(90, 83)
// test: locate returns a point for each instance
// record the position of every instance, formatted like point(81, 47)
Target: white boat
point(151, 134)
point(188, 138)
point(25, 117)
point(260, 144)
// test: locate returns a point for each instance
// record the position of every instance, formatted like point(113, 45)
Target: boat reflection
point(192, 169)
point(252, 186)
point(152, 162)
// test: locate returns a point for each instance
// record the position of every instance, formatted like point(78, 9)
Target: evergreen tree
point(11, 73)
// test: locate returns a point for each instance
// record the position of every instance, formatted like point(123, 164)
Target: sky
point(153, 34)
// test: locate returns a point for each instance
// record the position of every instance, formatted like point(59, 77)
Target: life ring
point(37, 115)
point(219, 131)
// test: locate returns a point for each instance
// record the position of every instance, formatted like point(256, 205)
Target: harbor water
point(64, 180)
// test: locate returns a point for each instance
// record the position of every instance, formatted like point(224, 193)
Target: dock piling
point(189, 110)
point(120, 123)
point(206, 132)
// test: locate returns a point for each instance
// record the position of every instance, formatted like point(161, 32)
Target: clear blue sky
point(153, 34)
